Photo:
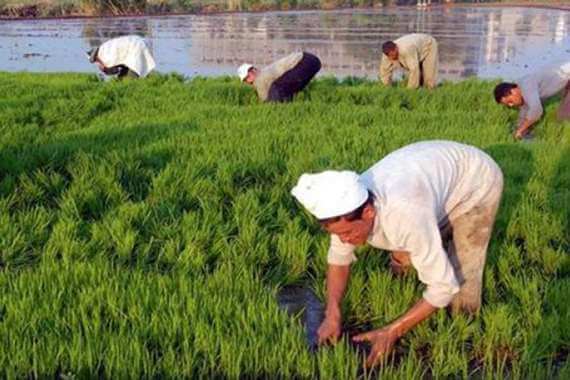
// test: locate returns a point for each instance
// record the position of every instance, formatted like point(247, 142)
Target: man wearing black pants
point(280, 81)
point(125, 57)
point(121, 71)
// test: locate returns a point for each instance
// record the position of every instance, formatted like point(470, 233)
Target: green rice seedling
point(146, 228)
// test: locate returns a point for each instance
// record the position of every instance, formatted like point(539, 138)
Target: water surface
point(487, 42)
point(301, 302)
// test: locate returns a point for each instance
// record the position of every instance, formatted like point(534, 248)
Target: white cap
point(330, 193)
point(243, 70)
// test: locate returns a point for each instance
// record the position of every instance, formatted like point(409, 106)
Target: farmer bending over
point(432, 204)
point(416, 53)
point(126, 56)
point(528, 93)
point(281, 80)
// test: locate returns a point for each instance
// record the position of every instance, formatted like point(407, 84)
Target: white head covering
point(243, 70)
point(330, 193)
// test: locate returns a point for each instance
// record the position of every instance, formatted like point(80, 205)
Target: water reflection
point(488, 42)
point(302, 302)
point(94, 34)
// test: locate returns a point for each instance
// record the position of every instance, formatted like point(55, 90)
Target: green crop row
point(147, 226)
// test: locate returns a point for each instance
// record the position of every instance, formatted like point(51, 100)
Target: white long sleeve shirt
point(539, 86)
point(416, 189)
point(131, 51)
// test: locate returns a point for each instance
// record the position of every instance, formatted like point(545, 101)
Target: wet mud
point(488, 42)
point(303, 303)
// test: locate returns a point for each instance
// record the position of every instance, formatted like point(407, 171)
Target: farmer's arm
point(421, 237)
point(383, 339)
point(416, 314)
point(100, 65)
point(339, 258)
point(399, 262)
point(524, 126)
point(386, 69)
point(337, 279)
point(531, 111)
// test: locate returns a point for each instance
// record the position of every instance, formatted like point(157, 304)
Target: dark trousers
point(121, 71)
point(287, 85)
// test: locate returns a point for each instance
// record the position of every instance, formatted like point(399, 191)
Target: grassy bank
point(146, 226)
point(65, 8)
point(53, 8)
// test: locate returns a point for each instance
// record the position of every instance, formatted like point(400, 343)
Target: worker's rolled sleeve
point(439, 296)
point(340, 253)
point(415, 230)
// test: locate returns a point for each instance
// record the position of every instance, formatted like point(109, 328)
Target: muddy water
point(487, 42)
point(300, 301)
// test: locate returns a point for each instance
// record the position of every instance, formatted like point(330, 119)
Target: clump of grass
point(146, 229)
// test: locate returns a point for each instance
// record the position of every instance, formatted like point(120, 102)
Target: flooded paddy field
point(486, 42)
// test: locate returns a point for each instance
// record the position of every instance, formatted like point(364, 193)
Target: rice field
point(146, 228)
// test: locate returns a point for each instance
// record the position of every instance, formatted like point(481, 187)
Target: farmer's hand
point(399, 262)
point(382, 341)
point(518, 135)
point(330, 329)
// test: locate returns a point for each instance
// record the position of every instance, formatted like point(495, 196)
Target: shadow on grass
point(58, 153)
point(32, 163)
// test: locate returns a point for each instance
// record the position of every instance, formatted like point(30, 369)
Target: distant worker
point(281, 80)
point(416, 53)
point(528, 93)
point(423, 3)
point(126, 57)
point(432, 204)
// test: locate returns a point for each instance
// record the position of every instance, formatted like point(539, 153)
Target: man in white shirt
point(529, 92)
point(409, 203)
point(127, 56)
point(416, 53)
